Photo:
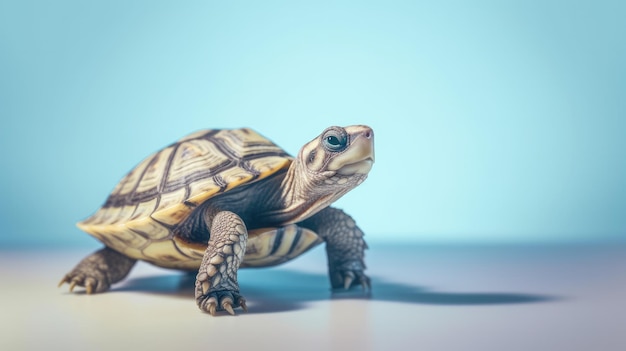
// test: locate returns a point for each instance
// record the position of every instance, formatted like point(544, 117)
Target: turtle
point(222, 199)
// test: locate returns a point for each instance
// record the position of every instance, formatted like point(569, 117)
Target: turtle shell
point(140, 214)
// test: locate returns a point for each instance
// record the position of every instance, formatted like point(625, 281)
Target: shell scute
point(154, 173)
point(195, 158)
point(172, 215)
point(129, 182)
point(163, 252)
point(149, 228)
point(141, 211)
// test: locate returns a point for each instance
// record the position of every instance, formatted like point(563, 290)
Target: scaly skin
point(217, 288)
point(98, 271)
point(345, 247)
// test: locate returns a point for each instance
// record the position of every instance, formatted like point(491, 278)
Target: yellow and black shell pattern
point(139, 216)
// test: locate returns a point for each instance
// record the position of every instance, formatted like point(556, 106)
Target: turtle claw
point(218, 301)
point(228, 307)
point(242, 304)
point(212, 308)
point(72, 281)
point(366, 284)
point(63, 281)
point(73, 285)
point(91, 284)
point(346, 279)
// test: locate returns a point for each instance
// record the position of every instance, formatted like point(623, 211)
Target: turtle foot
point(349, 275)
point(98, 271)
point(224, 300)
point(92, 281)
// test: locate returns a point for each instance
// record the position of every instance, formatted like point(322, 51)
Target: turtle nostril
point(368, 133)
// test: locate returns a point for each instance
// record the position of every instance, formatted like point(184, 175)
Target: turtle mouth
point(359, 167)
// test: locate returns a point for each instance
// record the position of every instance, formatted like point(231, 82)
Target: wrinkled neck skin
point(303, 193)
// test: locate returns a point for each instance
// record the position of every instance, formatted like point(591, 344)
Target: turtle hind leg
point(217, 288)
point(98, 271)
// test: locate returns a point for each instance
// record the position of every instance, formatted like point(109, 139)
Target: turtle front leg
point(98, 271)
point(345, 247)
point(217, 288)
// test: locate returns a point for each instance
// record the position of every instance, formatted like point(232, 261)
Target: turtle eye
point(335, 140)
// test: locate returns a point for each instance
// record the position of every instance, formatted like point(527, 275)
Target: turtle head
point(336, 161)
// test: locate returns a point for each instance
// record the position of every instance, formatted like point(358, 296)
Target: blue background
point(495, 121)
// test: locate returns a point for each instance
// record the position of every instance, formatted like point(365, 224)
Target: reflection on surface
point(279, 290)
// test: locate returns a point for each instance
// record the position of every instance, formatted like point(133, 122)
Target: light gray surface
point(424, 298)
